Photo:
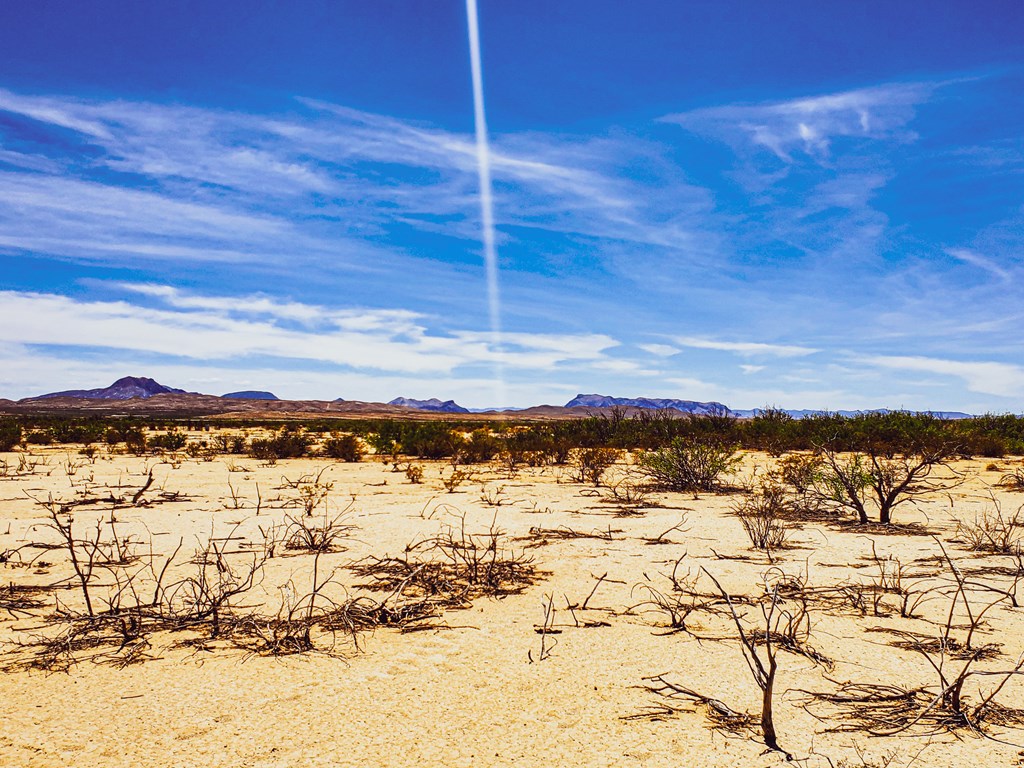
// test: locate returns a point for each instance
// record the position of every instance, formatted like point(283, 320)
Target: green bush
point(10, 435)
point(40, 437)
point(290, 443)
point(344, 448)
point(171, 441)
point(689, 464)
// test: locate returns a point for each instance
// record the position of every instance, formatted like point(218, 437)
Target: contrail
point(483, 161)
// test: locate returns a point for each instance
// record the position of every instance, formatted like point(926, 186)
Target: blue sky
point(811, 205)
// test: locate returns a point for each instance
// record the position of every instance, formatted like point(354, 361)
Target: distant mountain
point(251, 394)
point(433, 404)
point(123, 389)
point(604, 401)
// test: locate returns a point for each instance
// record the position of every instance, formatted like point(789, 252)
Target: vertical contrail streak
point(483, 158)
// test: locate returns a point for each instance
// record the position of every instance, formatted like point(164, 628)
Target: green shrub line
point(470, 441)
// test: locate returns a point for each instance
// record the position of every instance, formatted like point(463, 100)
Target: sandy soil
point(475, 692)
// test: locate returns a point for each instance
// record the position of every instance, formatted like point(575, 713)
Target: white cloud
point(981, 262)
point(986, 377)
point(809, 125)
point(746, 348)
point(661, 350)
point(749, 369)
point(224, 329)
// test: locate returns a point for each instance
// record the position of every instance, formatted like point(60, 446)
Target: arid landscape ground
point(526, 617)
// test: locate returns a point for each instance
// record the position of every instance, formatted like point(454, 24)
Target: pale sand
point(469, 695)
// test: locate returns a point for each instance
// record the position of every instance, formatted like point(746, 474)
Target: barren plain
point(314, 612)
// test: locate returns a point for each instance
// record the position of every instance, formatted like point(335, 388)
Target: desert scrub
point(689, 464)
point(290, 443)
point(10, 434)
point(763, 514)
point(588, 465)
point(344, 448)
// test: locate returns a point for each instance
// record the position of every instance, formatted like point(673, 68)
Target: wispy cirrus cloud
point(809, 126)
point(746, 348)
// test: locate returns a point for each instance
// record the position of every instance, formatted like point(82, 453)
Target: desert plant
point(763, 513)
point(798, 470)
point(1013, 480)
point(344, 447)
point(317, 534)
point(859, 482)
point(455, 478)
point(689, 464)
point(10, 434)
point(169, 441)
point(290, 443)
point(993, 531)
point(588, 465)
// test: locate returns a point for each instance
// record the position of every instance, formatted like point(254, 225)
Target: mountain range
point(686, 406)
point(433, 404)
point(143, 388)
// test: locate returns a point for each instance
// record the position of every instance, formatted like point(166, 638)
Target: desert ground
point(596, 604)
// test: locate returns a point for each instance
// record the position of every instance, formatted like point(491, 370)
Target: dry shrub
point(452, 568)
point(992, 531)
point(1014, 480)
point(319, 534)
point(763, 515)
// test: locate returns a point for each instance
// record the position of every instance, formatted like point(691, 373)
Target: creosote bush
point(290, 443)
point(588, 465)
point(10, 434)
point(689, 464)
point(343, 448)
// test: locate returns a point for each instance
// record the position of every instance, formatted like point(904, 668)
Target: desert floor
point(476, 688)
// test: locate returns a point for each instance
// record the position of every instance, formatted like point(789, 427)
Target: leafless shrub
point(540, 535)
point(719, 714)
point(207, 595)
point(762, 514)
point(311, 490)
point(319, 534)
point(1013, 480)
point(454, 567)
point(993, 531)
point(628, 491)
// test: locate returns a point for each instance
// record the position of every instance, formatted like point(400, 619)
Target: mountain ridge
point(144, 388)
point(649, 403)
point(433, 404)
